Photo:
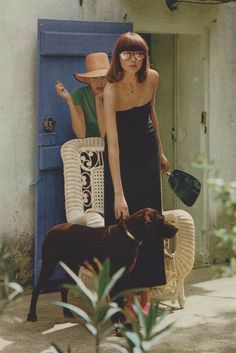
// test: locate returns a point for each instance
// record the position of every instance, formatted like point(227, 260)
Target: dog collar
point(123, 226)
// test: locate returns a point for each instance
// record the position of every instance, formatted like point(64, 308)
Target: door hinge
point(204, 121)
point(173, 134)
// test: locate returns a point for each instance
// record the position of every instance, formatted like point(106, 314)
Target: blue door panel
point(84, 26)
point(53, 69)
point(62, 47)
point(50, 158)
point(46, 139)
point(51, 196)
point(76, 43)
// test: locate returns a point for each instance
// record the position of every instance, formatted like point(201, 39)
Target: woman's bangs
point(133, 44)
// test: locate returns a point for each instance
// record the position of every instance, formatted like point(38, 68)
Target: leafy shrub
point(142, 332)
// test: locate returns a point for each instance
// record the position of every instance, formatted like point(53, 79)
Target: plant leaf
point(17, 290)
point(151, 319)
point(81, 313)
point(92, 329)
point(137, 350)
point(15, 286)
point(112, 282)
point(54, 348)
point(146, 345)
point(141, 315)
point(100, 312)
point(57, 348)
point(161, 334)
point(73, 288)
point(133, 338)
point(92, 299)
point(160, 318)
point(103, 278)
point(109, 314)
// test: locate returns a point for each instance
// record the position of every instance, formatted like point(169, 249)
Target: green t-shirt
point(83, 96)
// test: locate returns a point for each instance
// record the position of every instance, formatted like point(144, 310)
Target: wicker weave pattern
point(180, 264)
point(83, 180)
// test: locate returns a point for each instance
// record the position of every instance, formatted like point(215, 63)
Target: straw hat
point(97, 65)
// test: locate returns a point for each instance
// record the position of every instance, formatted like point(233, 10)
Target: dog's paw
point(32, 317)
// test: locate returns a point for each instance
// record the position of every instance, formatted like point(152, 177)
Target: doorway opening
point(180, 102)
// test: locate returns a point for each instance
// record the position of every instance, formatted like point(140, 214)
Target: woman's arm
point(76, 111)
point(77, 119)
point(100, 113)
point(120, 205)
point(163, 159)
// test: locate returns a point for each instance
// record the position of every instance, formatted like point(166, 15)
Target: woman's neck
point(129, 78)
point(129, 82)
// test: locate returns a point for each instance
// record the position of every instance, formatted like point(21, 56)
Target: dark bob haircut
point(129, 41)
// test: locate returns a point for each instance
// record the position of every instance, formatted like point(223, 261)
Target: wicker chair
point(83, 180)
point(179, 258)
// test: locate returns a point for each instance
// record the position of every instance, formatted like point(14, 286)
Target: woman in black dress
point(133, 153)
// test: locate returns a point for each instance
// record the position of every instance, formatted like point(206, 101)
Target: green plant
point(225, 232)
point(96, 301)
point(9, 289)
point(226, 235)
point(145, 332)
point(140, 334)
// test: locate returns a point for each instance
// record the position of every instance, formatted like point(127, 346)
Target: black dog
point(74, 244)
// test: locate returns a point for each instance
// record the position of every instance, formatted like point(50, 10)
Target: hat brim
point(96, 73)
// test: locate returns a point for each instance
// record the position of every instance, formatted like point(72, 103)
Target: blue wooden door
point(62, 47)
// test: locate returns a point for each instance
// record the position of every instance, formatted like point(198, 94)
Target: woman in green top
point(86, 103)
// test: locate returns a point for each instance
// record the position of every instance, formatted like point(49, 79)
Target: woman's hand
point(62, 91)
point(120, 206)
point(165, 166)
point(99, 96)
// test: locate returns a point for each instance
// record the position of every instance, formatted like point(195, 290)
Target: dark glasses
point(127, 55)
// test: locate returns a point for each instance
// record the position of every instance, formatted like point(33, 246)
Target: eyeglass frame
point(132, 53)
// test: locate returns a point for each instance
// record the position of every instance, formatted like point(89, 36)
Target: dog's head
point(150, 223)
point(157, 226)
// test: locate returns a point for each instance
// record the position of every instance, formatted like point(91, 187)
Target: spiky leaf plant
point(100, 308)
point(9, 289)
point(145, 330)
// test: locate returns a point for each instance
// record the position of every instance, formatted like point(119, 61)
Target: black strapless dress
point(140, 175)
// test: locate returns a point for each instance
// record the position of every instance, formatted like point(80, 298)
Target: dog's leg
point(64, 291)
point(119, 317)
point(47, 269)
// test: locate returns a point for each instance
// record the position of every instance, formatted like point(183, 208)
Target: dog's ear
point(156, 225)
point(153, 215)
point(151, 222)
point(149, 215)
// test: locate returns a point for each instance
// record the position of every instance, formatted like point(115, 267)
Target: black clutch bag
point(185, 186)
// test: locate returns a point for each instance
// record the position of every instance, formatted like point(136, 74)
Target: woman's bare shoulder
point(110, 90)
point(153, 75)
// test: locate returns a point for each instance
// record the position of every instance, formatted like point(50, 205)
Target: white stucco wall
point(222, 78)
point(18, 41)
point(18, 31)
point(148, 15)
